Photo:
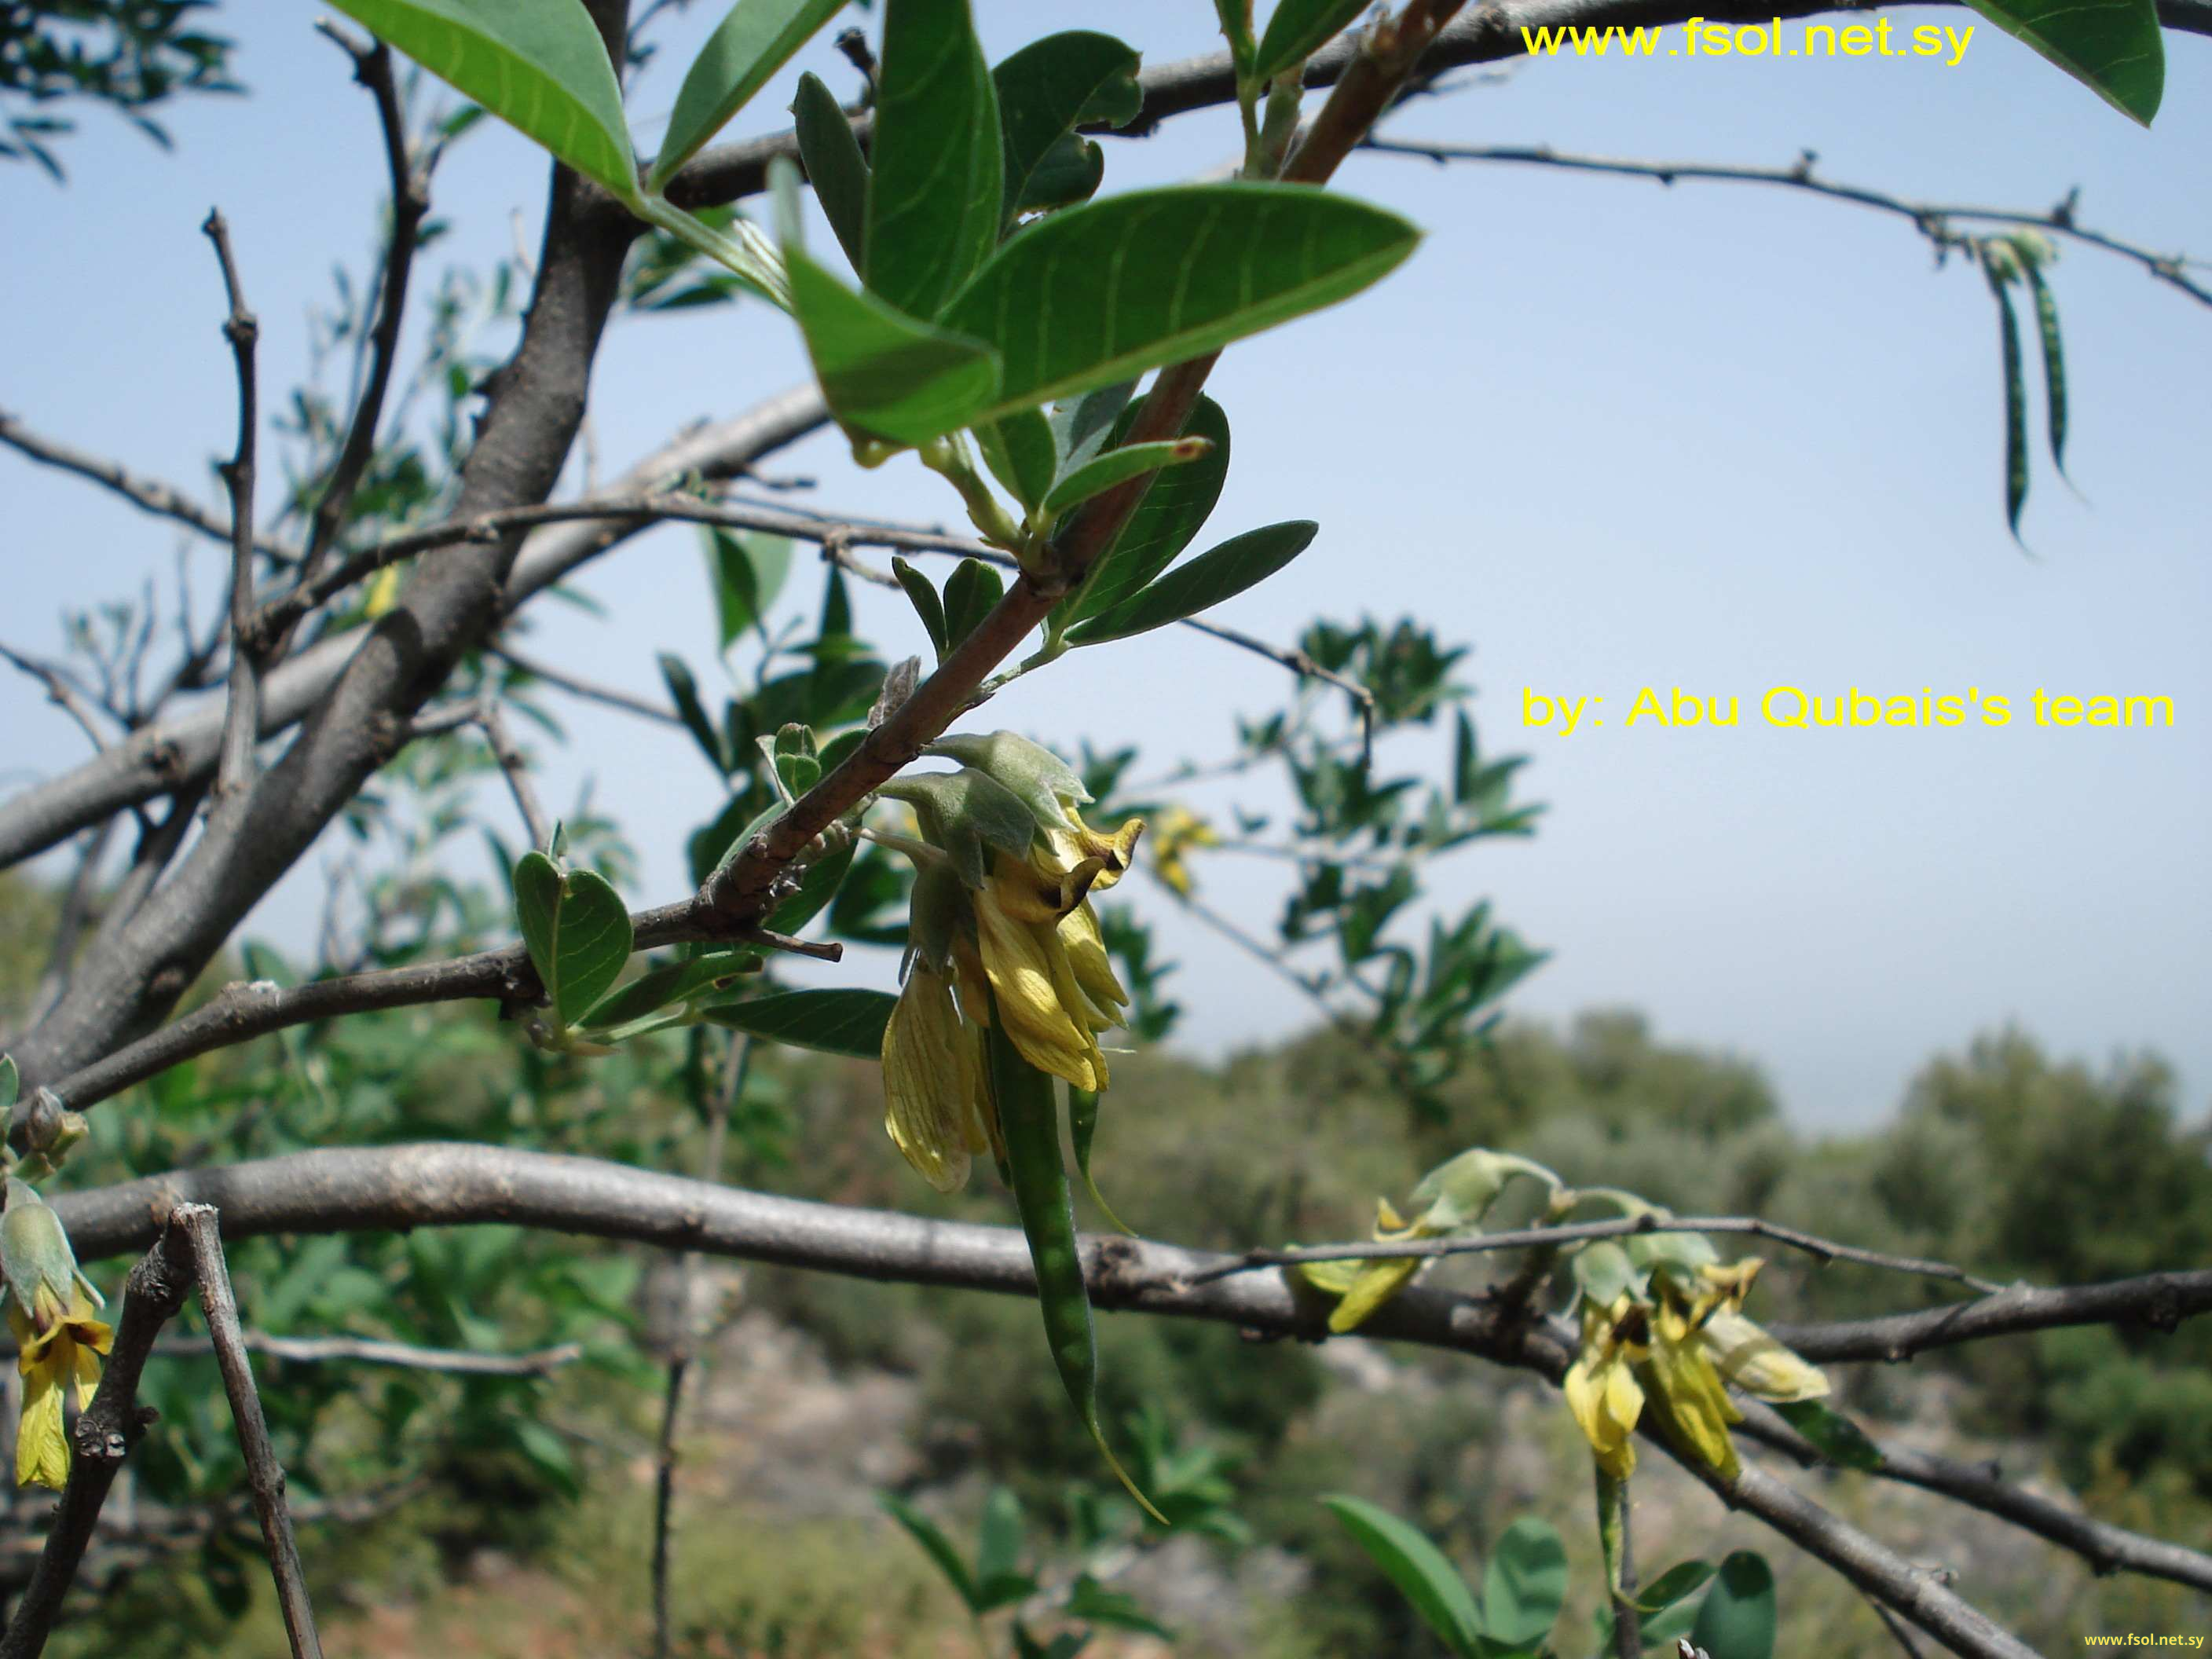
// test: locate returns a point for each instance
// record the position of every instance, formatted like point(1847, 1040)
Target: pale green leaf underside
point(539, 67)
point(1103, 292)
point(2111, 46)
point(753, 43)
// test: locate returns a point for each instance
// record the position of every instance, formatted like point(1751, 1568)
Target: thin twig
point(640, 507)
point(1823, 1250)
point(516, 766)
point(241, 1011)
point(1627, 1627)
point(1931, 219)
point(2106, 1547)
point(737, 1064)
point(263, 1474)
point(242, 721)
point(149, 495)
point(561, 679)
point(104, 1436)
point(1298, 662)
point(819, 949)
point(410, 201)
point(60, 693)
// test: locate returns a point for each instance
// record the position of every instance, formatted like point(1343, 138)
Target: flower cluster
point(1671, 1345)
point(1002, 927)
point(1454, 1197)
point(50, 1307)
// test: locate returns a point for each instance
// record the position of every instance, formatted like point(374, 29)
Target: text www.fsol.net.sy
point(1935, 43)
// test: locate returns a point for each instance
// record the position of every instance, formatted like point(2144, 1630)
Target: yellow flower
point(1020, 924)
point(1748, 1358)
point(934, 1093)
point(1180, 830)
point(1682, 1376)
point(1115, 853)
point(1601, 1389)
point(59, 1345)
point(1365, 1285)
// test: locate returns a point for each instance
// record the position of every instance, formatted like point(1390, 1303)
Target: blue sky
point(1614, 433)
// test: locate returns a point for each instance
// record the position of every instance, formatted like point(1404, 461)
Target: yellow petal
point(1114, 852)
point(1762, 1367)
point(1029, 973)
point(1606, 1401)
point(87, 1374)
point(1690, 1389)
point(1094, 969)
point(41, 1452)
point(930, 1081)
point(1377, 1283)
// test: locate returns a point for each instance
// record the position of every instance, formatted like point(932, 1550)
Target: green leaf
point(840, 1022)
point(2016, 396)
point(885, 376)
point(576, 929)
point(684, 690)
point(754, 41)
point(940, 1549)
point(748, 573)
point(923, 592)
point(1236, 17)
point(1298, 29)
point(835, 166)
point(933, 192)
point(1219, 573)
point(1070, 172)
point(1081, 426)
point(2054, 360)
point(2111, 46)
point(1105, 291)
point(1167, 520)
point(1839, 1440)
point(671, 983)
point(1419, 1571)
point(1049, 85)
point(1525, 1584)
point(1092, 1603)
point(1682, 1580)
point(1738, 1619)
point(969, 594)
point(11, 1083)
point(1117, 466)
point(1021, 454)
point(999, 1545)
point(541, 68)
